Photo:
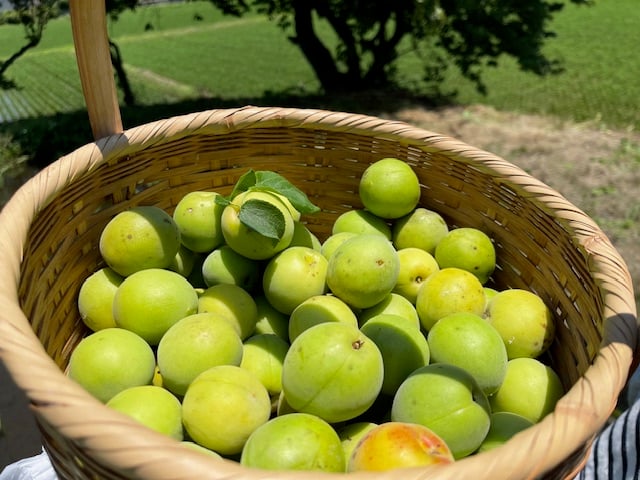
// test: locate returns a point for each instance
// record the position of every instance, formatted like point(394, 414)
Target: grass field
point(233, 60)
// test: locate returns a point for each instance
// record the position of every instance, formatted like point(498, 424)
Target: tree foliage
point(371, 34)
point(33, 15)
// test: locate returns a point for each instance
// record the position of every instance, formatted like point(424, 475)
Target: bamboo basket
point(49, 243)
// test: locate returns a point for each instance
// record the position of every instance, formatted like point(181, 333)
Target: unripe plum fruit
point(319, 309)
point(449, 290)
point(363, 270)
point(223, 406)
point(523, 320)
point(95, 299)
point(139, 238)
point(393, 304)
point(198, 218)
point(504, 425)
point(469, 342)
point(247, 241)
point(469, 249)
point(360, 221)
point(232, 302)
point(292, 276)
point(201, 449)
point(404, 349)
point(225, 265)
point(150, 301)
point(530, 389)
point(389, 188)
point(449, 401)
point(153, 407)
point(422, 228)
point(296, 442)
point(111, 360)
point(183, 262)
point(270, 320)
point(263, 355)
point(334, 241)
point(303, 237)
point(195, 344)
point(332, 370)
point(392, 445)
point(416, 265)
point(351, 433)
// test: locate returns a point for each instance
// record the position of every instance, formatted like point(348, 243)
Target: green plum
point(303, 237)
point(469, 342)
point(504, 425)
point(95, 299)
point(359, 222)
point(294, 442)
point(111, 360)
point(530, 389)
point(225, 265)
point(247, 241)
point(270, 320)
point(293, 276)
point(319, 309)
point(334, 241)
point(198, 217)
point(422, 228)
point(263, 354)
point(449, 401)
point(416, 265)
point(149, 302)
point(395, 304)
point(523, 320)
point(152, 406)
point(449, 290)
point(223, 406)
point(363, 270)
point(470, 249)
point(351, 433)
point(332, 370)
point(195, 344)
point(139, 238)
point(404, 349)
point(389, 188)
point(232, 302)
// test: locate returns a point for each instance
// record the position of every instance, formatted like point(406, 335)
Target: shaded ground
point(596, 169)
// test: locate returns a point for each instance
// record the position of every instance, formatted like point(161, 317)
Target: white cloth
point(33, 468)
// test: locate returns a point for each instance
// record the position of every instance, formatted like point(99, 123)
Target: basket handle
point(90, 37)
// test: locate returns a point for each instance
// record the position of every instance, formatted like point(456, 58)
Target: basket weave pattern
point(49, 235)
point(50, 229)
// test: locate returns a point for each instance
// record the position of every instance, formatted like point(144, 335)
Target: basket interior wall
point(534, 248)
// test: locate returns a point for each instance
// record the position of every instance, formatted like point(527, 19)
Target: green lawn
point(598, 46)
point(232, 60)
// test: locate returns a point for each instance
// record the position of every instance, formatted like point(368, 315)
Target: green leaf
point(220, 200)
point(244, 183)
point(267, 180)
point(263, 217)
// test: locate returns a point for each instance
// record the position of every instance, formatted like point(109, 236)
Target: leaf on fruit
point(244, 183)
point(220, 200)
point(267, 180)
point(263, 217)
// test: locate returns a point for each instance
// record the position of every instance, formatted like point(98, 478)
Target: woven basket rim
point(25, 357)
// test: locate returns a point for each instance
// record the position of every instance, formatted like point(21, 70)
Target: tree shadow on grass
point(45, 139)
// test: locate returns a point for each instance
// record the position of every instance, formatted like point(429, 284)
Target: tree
point(33, 15)
point(370, 35)
point(114, 8)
